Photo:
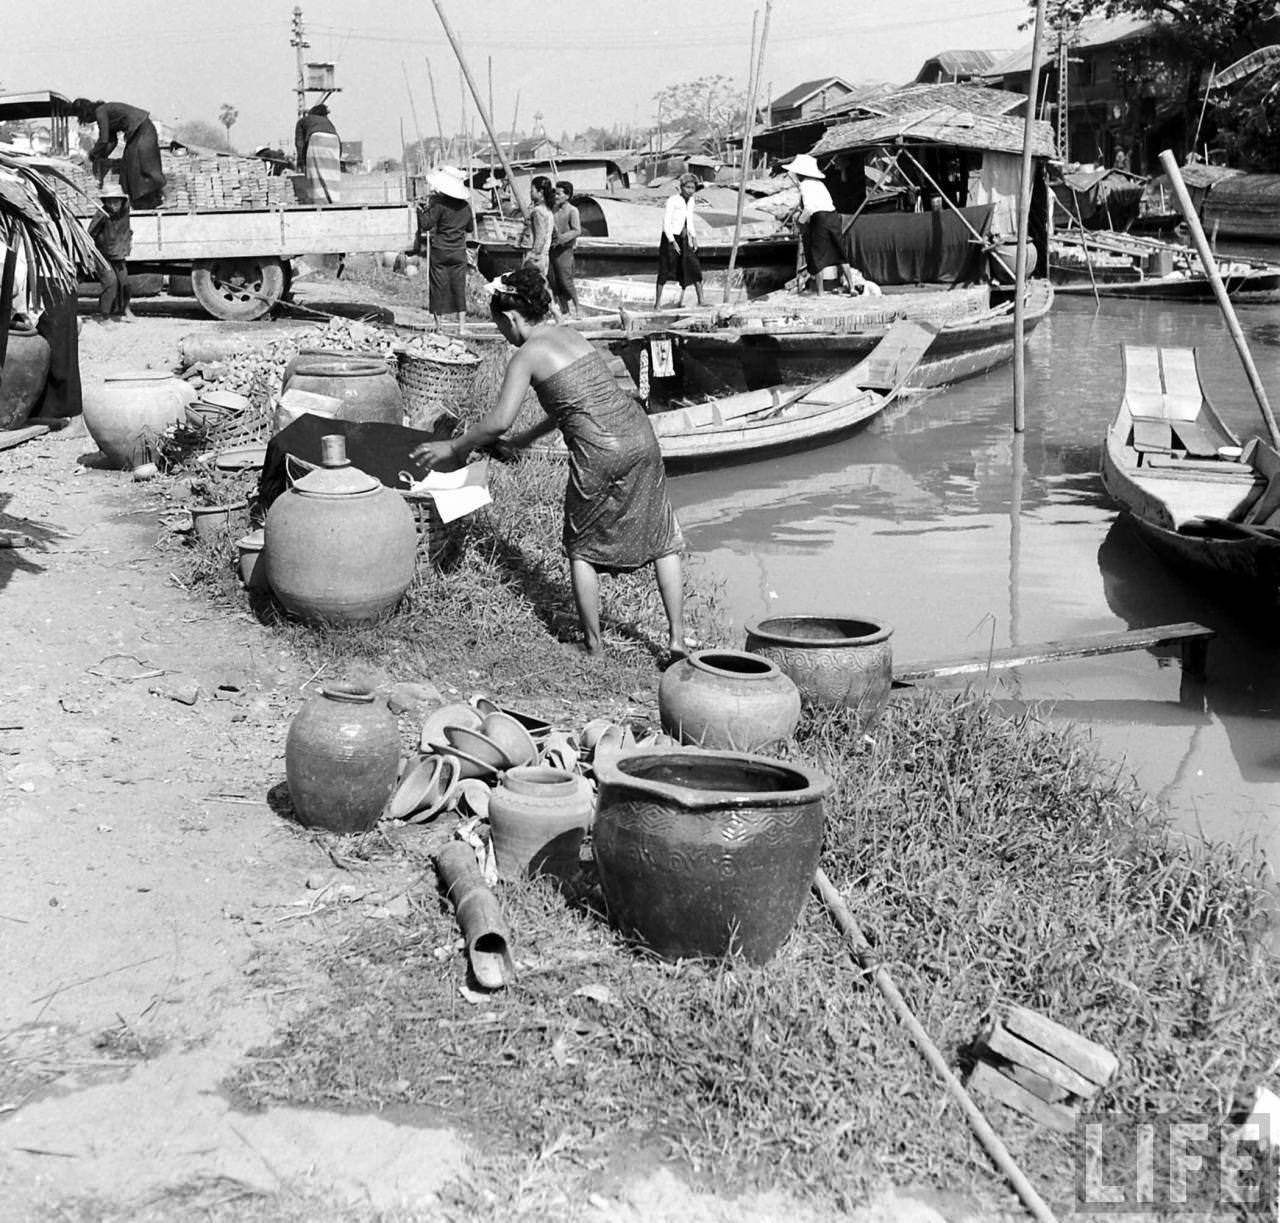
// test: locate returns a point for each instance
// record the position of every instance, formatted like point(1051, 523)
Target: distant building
point(351, 156)
point(809, 99)
point(957, 67)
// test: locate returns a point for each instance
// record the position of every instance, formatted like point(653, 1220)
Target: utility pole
point(299, 43)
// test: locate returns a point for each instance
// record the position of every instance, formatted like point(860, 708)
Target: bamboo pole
point(981, 1127)
point(1024, 224)
point(475, 93)
point(435, 105)
point(493, 137)
point(1170, 166)
point(753, 83)
point(417, 127)
point(1054, 202)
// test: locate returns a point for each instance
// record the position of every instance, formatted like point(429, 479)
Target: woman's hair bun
point(525, 290)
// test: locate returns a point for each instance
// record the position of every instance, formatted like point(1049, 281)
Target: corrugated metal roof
point(1092, 32)
point(793, 97)
point(961, 63)
point(944, 125)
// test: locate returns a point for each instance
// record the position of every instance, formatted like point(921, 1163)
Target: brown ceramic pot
point(125, 409)
point(834, 660)
point(365, 387)
point(707, 853)
point(341, 757)
point(26, 367)
point(537, 816)
point(728, 699)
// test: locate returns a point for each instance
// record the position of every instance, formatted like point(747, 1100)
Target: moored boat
point(1200, 500)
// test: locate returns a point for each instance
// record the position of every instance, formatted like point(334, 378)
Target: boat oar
point(1170, 165)
point(981, 1127)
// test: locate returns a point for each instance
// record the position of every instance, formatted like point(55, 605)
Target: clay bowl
point(425, 788)
point(478, 746)
point(537, 728)
point(471, 797)
point(516, 742)
point(468, 766)
point(455, 714)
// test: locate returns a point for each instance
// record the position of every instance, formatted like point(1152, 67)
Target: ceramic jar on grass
point(728, 699)
point(537, 817)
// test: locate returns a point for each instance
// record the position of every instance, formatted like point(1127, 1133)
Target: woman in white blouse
point(823, 247)
point(678, 250)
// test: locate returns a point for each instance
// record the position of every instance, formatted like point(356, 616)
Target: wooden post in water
point(1024, 225)
point(480, 106)
point(1170, 165)
point(754, 65)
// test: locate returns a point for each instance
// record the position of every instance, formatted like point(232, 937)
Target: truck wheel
point(238, 289)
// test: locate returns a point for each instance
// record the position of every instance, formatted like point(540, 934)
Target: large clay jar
point(26, 366)
point(341, 757)
point(365, 386)
point(707, 853)
point(126, 409)
point(835, 661)
point(537, 816)
point(340, 546)
point(728, 699)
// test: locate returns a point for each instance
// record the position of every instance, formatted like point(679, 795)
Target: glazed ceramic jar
point(728, 699)
point(364, 386)
point(26, 367)
point(124, 410)
point(341, 756)
point(834, 660)
point(707, 853)
point(537, 816)
point(340, 547)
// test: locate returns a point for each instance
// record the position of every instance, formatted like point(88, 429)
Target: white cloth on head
point(814, 197)
point(678, 214)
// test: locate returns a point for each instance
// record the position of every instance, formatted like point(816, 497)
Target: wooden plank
point(1196, 439)
point(15, 437)
point(1089, 1058)
point(1142, 370)
point(1050, 1093)
point(1149, 435)
point(1265, 461)
point(1007, 1045)
point(1183, 396)
point(1221, 467)
point(1094, 645)
point(986, 1080)
point(893, 359)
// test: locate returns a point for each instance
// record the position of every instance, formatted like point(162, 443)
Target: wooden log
point(988, 1081)
point(1091, 646)
point(15, 437)
point(1050, 1093)
point(1087, 1057)
point(1001, 1041)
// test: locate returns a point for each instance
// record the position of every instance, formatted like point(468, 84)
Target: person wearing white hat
point(112, 233)
point(820, 223)
point(445, 221)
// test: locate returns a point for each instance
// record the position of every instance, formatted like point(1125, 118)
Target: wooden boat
point(1199, 499)
point(786, 418)
point(1126, 265)
point(723, 360)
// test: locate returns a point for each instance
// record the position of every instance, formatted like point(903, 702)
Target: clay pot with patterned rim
point(707, 853)
point(537, 816)
point(341, 758)
point(340, 546)
point(835, 661)
point(728, 699)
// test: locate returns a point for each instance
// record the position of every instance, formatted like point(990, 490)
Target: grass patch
point(988, 859)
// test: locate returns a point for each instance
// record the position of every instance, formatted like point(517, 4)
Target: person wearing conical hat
point(112, 233)
point(820, 224)
point(444, 222)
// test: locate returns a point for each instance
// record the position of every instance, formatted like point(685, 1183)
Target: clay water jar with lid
point(340, 546)
point(835, 661)
point(122, 410)
point(341, 757)
point(707, 853)
point(365, 387)
point(728, 699)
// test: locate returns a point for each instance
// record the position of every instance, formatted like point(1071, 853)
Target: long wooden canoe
point(1199, 499)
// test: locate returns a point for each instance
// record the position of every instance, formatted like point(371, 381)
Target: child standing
point(113, 236)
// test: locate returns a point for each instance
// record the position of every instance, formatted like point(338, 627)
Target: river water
point(939, 521)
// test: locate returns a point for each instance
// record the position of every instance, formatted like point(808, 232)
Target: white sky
point(580, 62)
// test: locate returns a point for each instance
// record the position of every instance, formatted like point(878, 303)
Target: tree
point(199, 132)
point(711, 108)
point(1193, 36)
point(227, 116)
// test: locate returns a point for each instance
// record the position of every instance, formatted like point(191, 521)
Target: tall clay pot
point(26, 366)
point(341, 757)
point(366, 388)
point(728, 699)
point(537, 816)
point(340, 546)
point(124, 409)
point(704, 853)
point(835, 661)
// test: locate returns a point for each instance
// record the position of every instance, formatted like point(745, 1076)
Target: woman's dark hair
point(319, 109)
point(565, 186)
point(85, 109)
point(542, 185)
point(524, 291)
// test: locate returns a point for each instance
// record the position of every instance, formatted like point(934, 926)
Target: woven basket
point(429, 385)
point(439, 543)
